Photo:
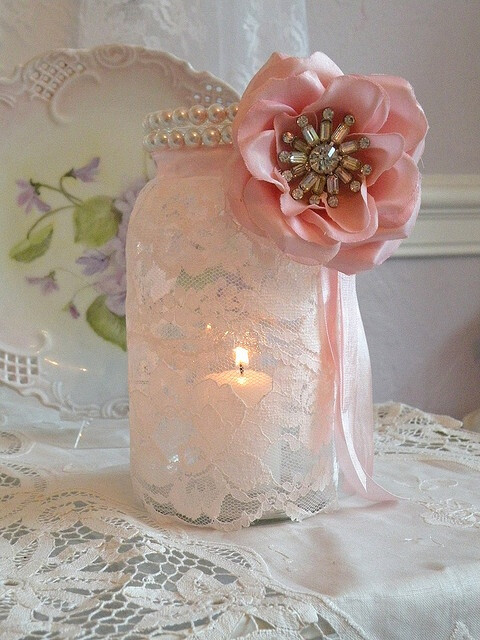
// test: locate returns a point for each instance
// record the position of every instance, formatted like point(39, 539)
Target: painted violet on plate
point(100, 226)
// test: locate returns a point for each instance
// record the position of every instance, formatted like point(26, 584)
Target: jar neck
point(193, 141)
point(187, 162)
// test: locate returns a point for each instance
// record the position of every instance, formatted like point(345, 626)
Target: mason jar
point(233, 371)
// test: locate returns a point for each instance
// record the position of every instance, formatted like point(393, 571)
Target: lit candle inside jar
point(249, 385)
point(241, 360)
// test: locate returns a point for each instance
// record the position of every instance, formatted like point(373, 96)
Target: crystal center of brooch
point(323, 159)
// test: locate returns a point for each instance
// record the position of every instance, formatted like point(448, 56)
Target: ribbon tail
point(353, 414)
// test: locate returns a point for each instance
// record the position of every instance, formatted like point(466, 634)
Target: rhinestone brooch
point(321, 160)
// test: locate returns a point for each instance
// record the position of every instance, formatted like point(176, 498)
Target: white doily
point(77, 566)
point(80, 559)
point(405, 431)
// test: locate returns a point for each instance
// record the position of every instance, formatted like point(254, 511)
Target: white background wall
point(435, 44)
point(422, 320)
point(422, 315)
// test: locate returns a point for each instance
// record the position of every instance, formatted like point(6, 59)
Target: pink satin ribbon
point(346, 341)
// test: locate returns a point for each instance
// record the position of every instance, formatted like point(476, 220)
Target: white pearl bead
point(153, 120)
point(232, 110)
point(180, 116)
point(227, 134)
point(160, 133)
point(160, 139)
point(165, 117)
point(197, 114)
point(211, 137)
point(193, 138)
point(149, 141)
point(175, 140)
point(216, 113)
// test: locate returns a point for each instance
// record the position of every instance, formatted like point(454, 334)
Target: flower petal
point(239, 177)
point(295, 92)
point(88, 172)
point(281, 66)
point(384, 151)
point(358, 95)
point(406, 116)
point(42, 206)
point(312, 247)
point(355, 219)
point(417, 153)
point(310, 231)
point(396, 193)
point(260, 155)
point(353, 259)
point(275, 96)
point(93, 261)
point(291, 207)
point(25, 197)
point(260, 117)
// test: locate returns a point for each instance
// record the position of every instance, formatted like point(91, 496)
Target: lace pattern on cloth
point(407, 432)
point(78, 565)
point(461, 633)
point(403, 430)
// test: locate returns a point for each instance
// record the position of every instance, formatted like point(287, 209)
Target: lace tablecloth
point(80, 559)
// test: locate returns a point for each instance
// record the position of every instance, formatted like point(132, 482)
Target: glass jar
point(234, 385)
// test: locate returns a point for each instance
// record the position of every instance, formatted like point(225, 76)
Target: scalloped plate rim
point(54, 392)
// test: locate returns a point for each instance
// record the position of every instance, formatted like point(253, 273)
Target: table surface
point(81, 559)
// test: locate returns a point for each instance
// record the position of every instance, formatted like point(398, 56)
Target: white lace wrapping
point(206, 448)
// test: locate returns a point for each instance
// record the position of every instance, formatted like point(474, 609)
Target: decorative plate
point(72, 166)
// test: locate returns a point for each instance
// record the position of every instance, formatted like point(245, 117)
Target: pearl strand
point(194, 127)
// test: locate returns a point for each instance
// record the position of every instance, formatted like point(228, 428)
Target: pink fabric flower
point(366, 227)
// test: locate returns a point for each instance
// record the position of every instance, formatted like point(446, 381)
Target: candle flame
point(241, 356)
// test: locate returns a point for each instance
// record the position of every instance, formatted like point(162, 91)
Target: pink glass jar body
point(231, 389)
